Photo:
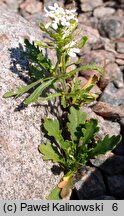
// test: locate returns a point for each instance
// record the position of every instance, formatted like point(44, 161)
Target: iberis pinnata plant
point(72, 152)
point(60, 32)
point(74, 145)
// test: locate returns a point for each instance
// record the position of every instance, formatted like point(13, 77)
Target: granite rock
point(24, 175)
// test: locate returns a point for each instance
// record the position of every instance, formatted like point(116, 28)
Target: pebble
point(88, 5)
point(120, 47)
point(112, 95)
point(113, 73)
point(31, 6)
point(103, 11)
point(120, 62)
point(109, 111)
point(111, 27)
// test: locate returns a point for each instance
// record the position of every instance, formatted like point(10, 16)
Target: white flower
point(72, 52)
point(71, 49)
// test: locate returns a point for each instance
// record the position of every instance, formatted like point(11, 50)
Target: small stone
point(116, 185)
point(112, 95)
point(120, 56)
point(105, 110)
point(119, 12)
point(120, 47)
point(109, 163)
point(103, 11)
point(111, 27)
point(88, 5)
point(120, 62)
point(112, 73)
point(90, 185)
point(31, 6)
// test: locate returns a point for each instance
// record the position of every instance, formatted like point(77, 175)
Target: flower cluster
point(64, 22)
point(60, 17)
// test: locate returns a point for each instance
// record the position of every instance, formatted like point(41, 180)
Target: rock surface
point(24, 175)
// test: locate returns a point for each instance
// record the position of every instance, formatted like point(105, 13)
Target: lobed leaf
point(107, 144)
point(52, 127)
point(76, 118)
point(51, 153)
point(89, 131)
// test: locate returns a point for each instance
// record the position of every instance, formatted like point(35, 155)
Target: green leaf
point(42, 27)
point(54, 194)
point(89, 131)
point(38, 43)
point(82, 42)
point(63, 101)
point(52, 127)
point(76, 118)
point(36, 72)
point(107, 144)
point(85, 67)
point(51, 153)
point(22, 89)
point(34, 96)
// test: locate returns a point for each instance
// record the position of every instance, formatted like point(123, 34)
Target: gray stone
point(120, 47)
point(23, 173)
point(116, 185)
point(109, 163)
point(112, 95)
point(90, 185)
point(111, 27)
point(87, 5)
point(112, 73)
point(103, 11)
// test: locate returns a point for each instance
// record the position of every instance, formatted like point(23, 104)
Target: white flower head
point(60, 17)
